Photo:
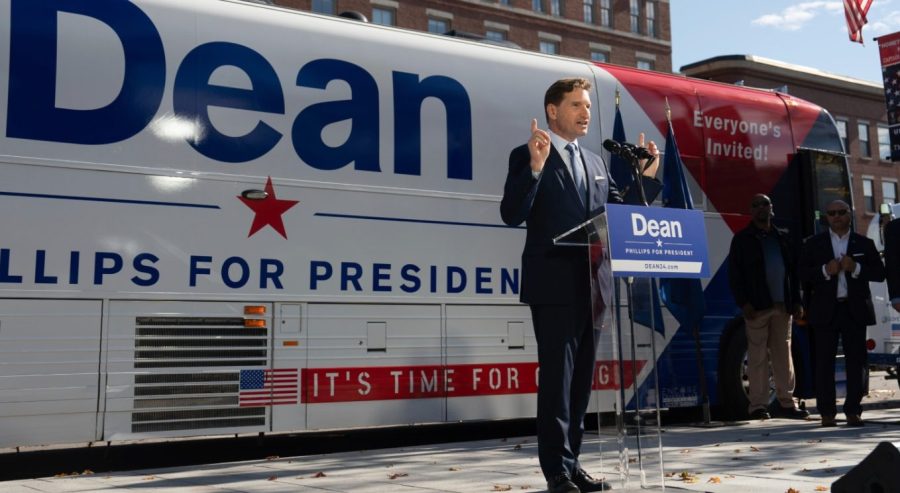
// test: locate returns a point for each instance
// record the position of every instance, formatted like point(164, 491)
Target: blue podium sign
point(657, 242)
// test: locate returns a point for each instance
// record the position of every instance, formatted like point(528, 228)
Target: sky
point(811, 34)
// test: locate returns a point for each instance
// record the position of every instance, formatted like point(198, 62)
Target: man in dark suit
point(839, 264)
point(892, 261)
point(553, 185)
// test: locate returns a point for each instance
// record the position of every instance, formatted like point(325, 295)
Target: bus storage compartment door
point(347, 383)
point(289, 359)
point(49, 388)
point(185, 368)
point(491, 362)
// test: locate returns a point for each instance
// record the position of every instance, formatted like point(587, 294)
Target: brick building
point(635, 33)
point(857, 107)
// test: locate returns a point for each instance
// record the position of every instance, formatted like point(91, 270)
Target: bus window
point(824, 178)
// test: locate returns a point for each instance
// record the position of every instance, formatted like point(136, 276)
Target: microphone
point(626, 150)
point(629, 151)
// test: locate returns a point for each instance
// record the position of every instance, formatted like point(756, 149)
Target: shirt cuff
point(827, 277)
point(857, 270)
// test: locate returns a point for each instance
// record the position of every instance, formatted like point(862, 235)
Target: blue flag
point(645, 296)
point(618, 167)
point(683, 297)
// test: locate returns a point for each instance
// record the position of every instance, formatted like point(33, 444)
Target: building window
point(438, 26)
point(864, 149)
point(884, 143)
point(555, 7)
point(650, 9)
point(605, 13)
point(888, 192)
point(537, 5)
point(635, 13)
point(495, 35)
point(382, 16)
point(600, 56)
point(842, 132)
point(549, 47)
point(323, 6)
point(868, 196)
point(645, 64)
point(588, 11)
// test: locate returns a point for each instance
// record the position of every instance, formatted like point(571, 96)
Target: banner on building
point(889, 50)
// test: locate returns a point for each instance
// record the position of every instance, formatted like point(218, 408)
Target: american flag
point(891, 77)
point(855, 12)
point(269, 387)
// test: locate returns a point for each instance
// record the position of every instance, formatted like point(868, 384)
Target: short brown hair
point(558, 90)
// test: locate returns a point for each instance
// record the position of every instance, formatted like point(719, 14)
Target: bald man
point(839, 265)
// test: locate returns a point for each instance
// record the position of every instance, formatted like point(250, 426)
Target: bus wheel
point(734, 381)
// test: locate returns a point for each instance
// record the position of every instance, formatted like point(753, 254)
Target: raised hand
point(538, 147)
point(654, 166)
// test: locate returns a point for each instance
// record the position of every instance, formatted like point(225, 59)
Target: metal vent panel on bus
point(198, 373)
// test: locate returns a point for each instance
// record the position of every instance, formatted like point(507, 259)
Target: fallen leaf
point(714, 479)
point(272, 478)
point(686, 451)
point(518, 446)
point(397, 475)
point(502, 487)
point(319, 474)
point(778, 468)
point(821, 488)
point(454, 469)
point(272, 457)
point(792, 490)
point(149, 478)
point(754, 449)
point(87, 472)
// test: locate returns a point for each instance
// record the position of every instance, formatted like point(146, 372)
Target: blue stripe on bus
point(102, 199)
point(410, 220)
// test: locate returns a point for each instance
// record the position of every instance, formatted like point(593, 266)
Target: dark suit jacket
point(550, 205)
point(817, 251)
point(892, 257)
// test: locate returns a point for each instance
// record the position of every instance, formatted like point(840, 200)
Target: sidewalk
point(759, 456)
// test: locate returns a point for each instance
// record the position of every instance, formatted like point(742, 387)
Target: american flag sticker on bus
point(895, 331)
point(273, 387)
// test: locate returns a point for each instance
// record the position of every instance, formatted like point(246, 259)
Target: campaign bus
point(221, 217)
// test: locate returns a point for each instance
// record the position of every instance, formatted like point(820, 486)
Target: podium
point(626, 384)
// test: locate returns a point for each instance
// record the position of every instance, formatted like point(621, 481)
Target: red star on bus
point(268, 211)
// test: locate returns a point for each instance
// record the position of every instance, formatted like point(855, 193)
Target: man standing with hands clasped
point(763, 278)
point(840, 264)
point(554, 184)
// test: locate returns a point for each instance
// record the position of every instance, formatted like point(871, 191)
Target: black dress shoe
point(855, 420)
point(759, 414)
point(562, 483)
point(585, 482)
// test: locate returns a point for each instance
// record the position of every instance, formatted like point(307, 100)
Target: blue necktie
point(577, 171)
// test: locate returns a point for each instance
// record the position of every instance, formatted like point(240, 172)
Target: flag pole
point(698, 347)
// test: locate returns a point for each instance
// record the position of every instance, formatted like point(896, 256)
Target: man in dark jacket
point(839, 264)
point(763, 280)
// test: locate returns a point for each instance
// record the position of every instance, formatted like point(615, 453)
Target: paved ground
point(776, 455)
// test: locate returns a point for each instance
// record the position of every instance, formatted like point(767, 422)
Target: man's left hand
point(654, 166)
point(847, 264)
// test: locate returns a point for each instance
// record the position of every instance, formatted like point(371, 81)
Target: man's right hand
point(832, 267)
point(538, 147)
point(748, 311)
